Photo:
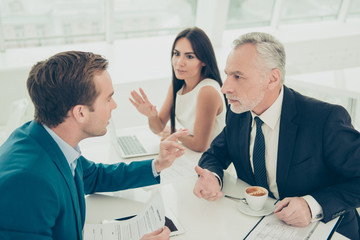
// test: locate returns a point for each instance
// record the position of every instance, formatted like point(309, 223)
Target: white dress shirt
point(270, 128)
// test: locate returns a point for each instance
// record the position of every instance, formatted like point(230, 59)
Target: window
point(27, 23)
point(137, 18)
point(294, 11)
point(247, 13)
point(48, 22)
point(354, 11)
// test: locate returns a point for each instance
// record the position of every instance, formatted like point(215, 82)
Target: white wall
point(13, 87)
point(145, 62)
point(126, 115)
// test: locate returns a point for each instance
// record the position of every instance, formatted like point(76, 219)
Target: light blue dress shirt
point(71, 154)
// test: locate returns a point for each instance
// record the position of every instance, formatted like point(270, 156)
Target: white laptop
point(135, 142)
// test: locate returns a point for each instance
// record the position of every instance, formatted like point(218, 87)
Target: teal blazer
point(39, 197)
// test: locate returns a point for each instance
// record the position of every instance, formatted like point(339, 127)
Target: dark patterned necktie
point(80, 190)
point(259, 156)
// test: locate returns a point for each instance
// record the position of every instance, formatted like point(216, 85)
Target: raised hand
point(142, 103)
point(170, 150)
point(207, 186)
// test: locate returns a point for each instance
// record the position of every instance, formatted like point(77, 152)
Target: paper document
point(181, 168)
point(132, 228)
point(271, 228)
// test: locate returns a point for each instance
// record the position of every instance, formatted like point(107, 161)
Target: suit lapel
point(49, 145)
point(287, 137)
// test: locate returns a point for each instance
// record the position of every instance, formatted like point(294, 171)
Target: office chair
point(17, 112)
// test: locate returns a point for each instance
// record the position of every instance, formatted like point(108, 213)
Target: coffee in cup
point(256, 197)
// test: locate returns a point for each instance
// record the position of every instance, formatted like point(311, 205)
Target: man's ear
point(274, 78)
point(79, 113)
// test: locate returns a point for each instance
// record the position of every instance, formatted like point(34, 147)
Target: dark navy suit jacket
point(318, 154)
point(39, 197)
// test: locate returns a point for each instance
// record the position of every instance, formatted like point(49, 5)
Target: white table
point(200, 219)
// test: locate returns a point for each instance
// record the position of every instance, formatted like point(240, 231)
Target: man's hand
point(170, 150)
point(293, 211)
point(160, 234)
point(207, 186)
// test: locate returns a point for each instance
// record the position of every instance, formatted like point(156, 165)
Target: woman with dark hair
point(194, 99)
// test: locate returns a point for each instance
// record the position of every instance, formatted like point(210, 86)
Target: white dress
point(185, 108)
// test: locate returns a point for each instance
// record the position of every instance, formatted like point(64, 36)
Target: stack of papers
point(271, 228)
point(134, 227)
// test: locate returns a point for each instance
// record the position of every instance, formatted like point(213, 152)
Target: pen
point(125, 218)
point(279, 209)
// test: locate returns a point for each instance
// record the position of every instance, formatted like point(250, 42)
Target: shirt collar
point(272, 115)
point(71, 154)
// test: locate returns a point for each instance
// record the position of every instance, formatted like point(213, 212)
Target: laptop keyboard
point(130, 145)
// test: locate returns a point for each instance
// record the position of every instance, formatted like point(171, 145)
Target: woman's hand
point(142, 104)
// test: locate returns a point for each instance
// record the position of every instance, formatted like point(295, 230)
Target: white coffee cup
point(256, 197)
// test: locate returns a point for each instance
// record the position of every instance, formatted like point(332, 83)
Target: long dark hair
point(204, 51)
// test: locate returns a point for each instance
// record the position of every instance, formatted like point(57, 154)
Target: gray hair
point(271, 52)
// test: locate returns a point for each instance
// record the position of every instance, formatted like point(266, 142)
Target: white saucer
point(269, 208)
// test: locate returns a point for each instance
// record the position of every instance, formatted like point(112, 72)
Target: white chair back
point(17, 113)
